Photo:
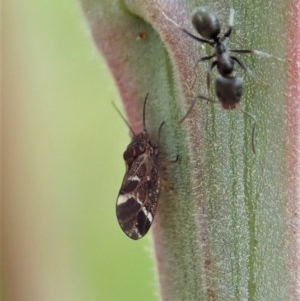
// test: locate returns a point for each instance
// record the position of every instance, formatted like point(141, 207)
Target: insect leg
point(253, 128)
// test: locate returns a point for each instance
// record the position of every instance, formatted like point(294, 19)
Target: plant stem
point(223, 227)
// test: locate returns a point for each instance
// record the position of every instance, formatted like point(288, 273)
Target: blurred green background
point(62, 167)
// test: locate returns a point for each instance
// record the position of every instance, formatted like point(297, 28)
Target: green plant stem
point(223, 226)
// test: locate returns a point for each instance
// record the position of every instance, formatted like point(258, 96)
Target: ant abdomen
point(206, 23)
point(229, 91)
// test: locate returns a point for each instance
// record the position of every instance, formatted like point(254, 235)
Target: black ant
point(229, 88)
point(208, 26)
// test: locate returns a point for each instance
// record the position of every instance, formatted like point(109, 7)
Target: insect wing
point(138, 197)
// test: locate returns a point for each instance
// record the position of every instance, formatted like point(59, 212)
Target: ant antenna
point(231, 17)
point(124, 119)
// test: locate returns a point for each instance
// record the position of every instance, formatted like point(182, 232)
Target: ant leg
point(206, 58)
point(243, 51)
point(188, 111)
point(212, 66)
point(258, 53)
point(253, 128)
point(250, 72)
point(243, 66)
point(196, 38)
point(192, 106)
point(230, 25)
point(205, 98)
point(267, 55)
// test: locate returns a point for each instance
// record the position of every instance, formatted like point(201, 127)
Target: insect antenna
point(159, 133)
point(144, 112)
point(124, 119)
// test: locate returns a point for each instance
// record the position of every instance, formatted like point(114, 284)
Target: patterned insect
point(139, 193)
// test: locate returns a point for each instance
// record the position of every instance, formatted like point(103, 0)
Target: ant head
point(206, 23)
point(229, 91)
